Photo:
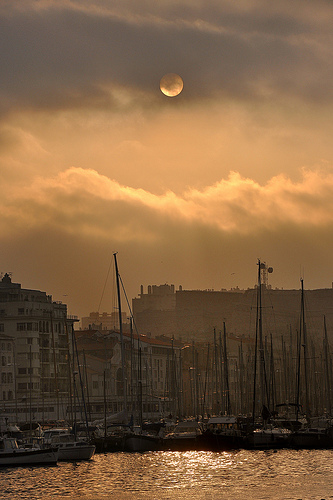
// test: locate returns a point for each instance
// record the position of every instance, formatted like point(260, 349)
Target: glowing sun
point(171, 84)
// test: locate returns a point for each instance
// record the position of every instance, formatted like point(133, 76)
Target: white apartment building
point(7, 371)
point(39, 361)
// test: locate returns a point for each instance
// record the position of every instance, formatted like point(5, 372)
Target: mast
point(256, 345)
point(222, 384)
point(216, 407)
point(226, 374)
point(121, 334)
point(205, 386)
point(81, 384)
point(302, 338)
point(327, 370)
point(140, 389)
point(55, 365)
point(86, 382)
point(307, 408)
point(262, 371)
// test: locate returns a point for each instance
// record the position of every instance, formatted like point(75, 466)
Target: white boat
point(12, 455)
point(69, 447)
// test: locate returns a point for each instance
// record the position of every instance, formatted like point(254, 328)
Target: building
point(103, 321)
point(148, 369)
point(194, 314)
point(36, 358)
point(7, 371)
point(154, 312)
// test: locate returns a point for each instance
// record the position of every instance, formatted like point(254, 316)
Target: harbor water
point(238, 475)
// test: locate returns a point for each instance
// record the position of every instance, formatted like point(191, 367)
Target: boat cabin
point(8, 444)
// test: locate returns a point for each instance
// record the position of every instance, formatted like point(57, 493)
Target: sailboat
point(135, 437)
point(13, 455)
point(315, 434)
point(224, 431)
point(69, 446)
point(268, 435)
point(140, 438)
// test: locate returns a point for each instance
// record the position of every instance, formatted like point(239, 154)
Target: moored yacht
point(187, 435)
point(13, 455)
point(269, 437)
point(223, 433)
point(69, 447)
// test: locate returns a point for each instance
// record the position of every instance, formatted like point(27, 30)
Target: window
point(21, 310)
point(20, 327)
point(22, 371)
point(3, 378)
point(3, 361)
point(9, 378)
point(29, 340)
point(2, 327)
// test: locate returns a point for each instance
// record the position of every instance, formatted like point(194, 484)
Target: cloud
point(69, 53)
point(86, 203)
point(59, 233)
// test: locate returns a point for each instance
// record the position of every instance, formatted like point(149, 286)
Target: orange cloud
point(84, 202)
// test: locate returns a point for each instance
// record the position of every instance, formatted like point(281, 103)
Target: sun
point(171, 84)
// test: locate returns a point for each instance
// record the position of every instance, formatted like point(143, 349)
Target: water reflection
point(304, 474)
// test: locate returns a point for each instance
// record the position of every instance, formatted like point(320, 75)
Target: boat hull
point(311, 440)
point(76, 453)
point(142, 443)
point(221, 442)
point(269, 439)
point(26, 457)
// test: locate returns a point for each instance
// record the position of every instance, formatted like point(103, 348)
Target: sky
point(189, 190)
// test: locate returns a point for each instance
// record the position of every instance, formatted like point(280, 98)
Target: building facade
point(194, 314)
point(103, 321)
point(40, 332)
point(148, 369)
point(7, 368)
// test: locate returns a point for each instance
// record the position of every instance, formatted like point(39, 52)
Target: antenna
point(265, 270)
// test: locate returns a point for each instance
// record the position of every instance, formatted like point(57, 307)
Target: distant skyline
point(189, 190)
